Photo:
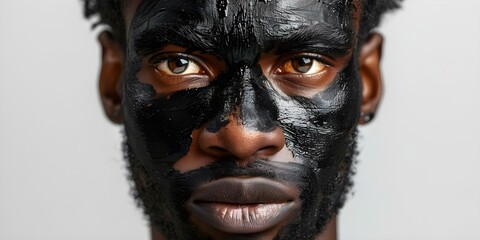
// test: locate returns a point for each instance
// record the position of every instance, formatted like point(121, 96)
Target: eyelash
point(314, 56)
point(159, 58)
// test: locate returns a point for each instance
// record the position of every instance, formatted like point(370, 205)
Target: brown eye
point(178, 66)
point(302, 65)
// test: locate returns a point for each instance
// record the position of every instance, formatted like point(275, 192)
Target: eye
point(302, 65)
point(178, 65)
point(172, 69)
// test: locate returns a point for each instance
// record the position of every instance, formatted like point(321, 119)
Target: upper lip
point(243, 205)
point(244, 191)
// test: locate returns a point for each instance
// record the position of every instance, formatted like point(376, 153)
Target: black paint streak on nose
point(257, 110)
point(244, 95)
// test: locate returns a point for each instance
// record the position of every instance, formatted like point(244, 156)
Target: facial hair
point(162, 194)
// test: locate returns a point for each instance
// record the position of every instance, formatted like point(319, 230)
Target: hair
point(372, 12)
point(110, 14)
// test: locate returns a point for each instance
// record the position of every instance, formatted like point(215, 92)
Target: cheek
point(318, 129)
point(161, 128)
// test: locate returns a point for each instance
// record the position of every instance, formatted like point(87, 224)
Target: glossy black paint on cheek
point(167, 123)
point(317, 129)
point(321, 132)
point(159, 128)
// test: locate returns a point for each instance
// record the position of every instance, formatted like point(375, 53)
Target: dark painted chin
point(236, 205)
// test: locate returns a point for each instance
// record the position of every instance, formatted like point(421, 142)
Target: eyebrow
point(322, 38)
point(157, 37)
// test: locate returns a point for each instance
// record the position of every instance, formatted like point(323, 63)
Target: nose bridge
point(244, 98)
point(253, 113)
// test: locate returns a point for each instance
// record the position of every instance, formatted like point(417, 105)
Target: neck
point(330, 232)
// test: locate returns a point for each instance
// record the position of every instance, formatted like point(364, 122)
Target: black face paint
point(319, 130)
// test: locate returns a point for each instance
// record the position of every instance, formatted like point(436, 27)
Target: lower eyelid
point(304, 75)
point(316, 75)
point(169, 84)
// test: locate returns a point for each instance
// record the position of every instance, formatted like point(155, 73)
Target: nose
point(237, 141)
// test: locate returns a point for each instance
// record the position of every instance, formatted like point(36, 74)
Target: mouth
point(243, 205)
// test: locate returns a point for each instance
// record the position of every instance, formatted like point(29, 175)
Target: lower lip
point(242, 218)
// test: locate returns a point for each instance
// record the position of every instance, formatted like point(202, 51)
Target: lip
point(243, 205)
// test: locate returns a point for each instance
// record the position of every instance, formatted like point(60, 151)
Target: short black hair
point(110, 13)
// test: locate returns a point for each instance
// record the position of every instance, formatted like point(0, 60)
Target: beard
point(162, 191)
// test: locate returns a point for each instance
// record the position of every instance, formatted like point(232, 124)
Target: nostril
point(263, 148)
point(217, 151)
point(268, 150)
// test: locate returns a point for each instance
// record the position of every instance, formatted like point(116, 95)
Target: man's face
point(240, 115)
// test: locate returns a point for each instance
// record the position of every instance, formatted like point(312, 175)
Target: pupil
point(302, 64)
point(178, 65)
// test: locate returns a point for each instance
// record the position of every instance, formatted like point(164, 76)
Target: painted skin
point(239, 92)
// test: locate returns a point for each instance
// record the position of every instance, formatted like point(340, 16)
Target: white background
point(62, 175)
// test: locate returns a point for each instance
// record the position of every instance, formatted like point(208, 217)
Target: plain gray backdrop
point(61, 170)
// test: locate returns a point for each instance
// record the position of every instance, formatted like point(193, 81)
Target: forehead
point(273, 17)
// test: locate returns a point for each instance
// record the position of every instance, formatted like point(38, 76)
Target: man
point(240, 116)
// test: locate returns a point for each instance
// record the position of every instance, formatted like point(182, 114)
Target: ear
point(113, 57)
point(369, 64)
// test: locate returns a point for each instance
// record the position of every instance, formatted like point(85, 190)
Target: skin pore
point(239, 98)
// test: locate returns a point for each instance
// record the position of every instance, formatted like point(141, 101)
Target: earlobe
point(113, 57)
point(369, 64)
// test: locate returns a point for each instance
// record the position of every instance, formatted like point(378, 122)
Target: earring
point(367, 117)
